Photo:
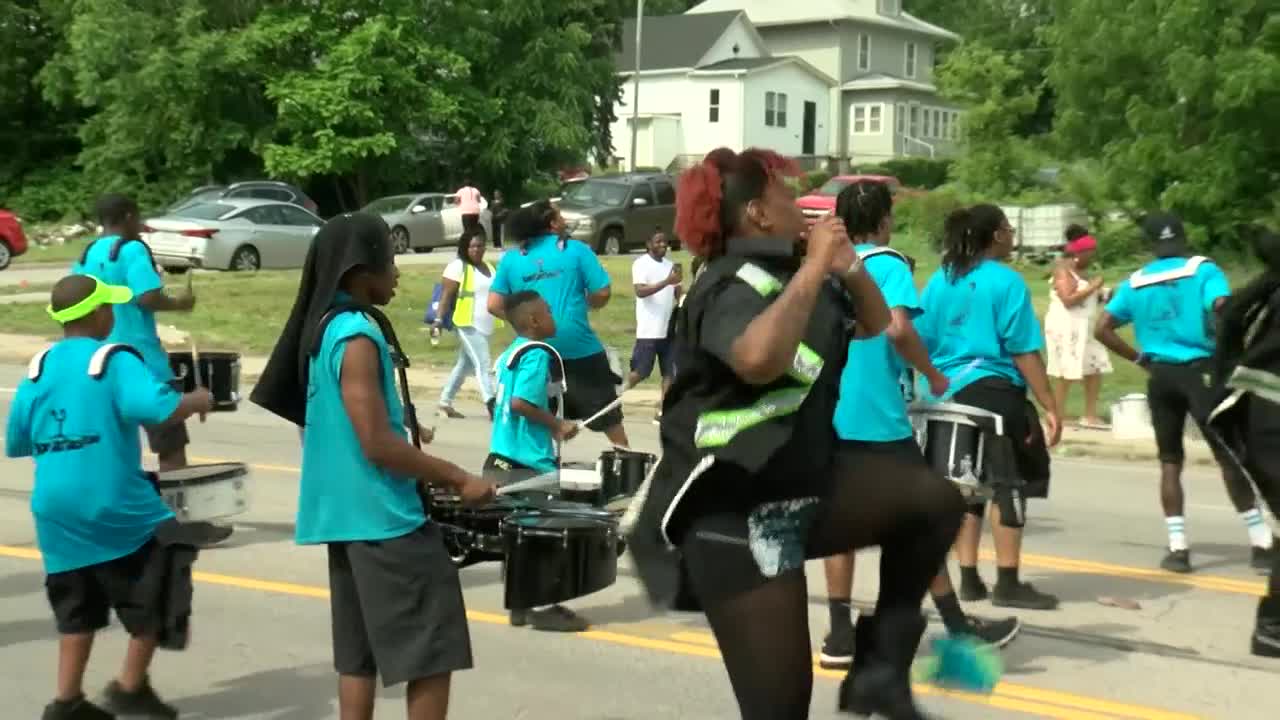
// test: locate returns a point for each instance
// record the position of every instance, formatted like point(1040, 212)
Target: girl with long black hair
point(750, 485)
point(983, 334)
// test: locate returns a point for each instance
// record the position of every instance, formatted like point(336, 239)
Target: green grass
point(65, 253)
point(244, 312)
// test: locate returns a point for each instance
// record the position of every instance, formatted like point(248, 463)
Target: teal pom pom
point(961, 663)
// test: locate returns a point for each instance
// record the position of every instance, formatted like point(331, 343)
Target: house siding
point(890, 142)
point(738, 33)
point(800, 85)
point(888, 52)
point(684, 101)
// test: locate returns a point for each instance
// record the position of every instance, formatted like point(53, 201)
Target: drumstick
point(611, 406)
point(541, 482)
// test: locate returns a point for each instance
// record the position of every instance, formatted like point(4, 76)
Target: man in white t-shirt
point(657, 286)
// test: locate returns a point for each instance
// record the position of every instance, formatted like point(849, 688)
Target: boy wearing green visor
point(102, 528)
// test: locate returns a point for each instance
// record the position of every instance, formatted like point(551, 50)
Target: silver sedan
point(426, 220)
point(232, 234)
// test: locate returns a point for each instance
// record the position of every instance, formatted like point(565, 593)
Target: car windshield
point(389, 204)
point(834, 186)
point(204, 211)
point(596, 193)
point(203, 196)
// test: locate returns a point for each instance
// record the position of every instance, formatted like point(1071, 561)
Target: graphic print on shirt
point(959, 321)
point(1165, 304)
point(61, 442)
point(541, 273)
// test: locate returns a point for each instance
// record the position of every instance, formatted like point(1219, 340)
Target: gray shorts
point(397, 608)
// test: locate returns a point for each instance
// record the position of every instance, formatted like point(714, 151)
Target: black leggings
point(763, 631)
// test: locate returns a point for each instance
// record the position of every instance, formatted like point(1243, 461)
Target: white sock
point(1177, 532)
point(1259, 533)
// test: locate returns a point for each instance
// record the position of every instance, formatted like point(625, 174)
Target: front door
point(809, 129)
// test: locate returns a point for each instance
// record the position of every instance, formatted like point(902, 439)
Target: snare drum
point(205, 492)
point(580, 483)
point(556, 555)
point(470, 534)
point(622, 472)
point(953, 438)
point(219, 371)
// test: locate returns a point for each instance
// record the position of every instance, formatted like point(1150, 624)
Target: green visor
point(103, 294)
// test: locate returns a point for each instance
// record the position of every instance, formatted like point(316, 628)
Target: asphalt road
point(261, 640)
point(47, 274)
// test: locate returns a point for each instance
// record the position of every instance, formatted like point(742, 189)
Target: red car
point(821, 202)
point(13, 241)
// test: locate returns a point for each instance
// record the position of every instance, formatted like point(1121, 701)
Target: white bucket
point(1131, 418)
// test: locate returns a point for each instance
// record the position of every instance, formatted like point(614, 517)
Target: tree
point(1178, 99)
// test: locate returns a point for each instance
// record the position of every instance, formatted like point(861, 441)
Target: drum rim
point(235, 470)
point(619, 452)
point(596, 518)
point(953, 408)
point(211, 354)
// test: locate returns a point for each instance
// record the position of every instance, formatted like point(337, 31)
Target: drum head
point(199, 474)
point(561, 519)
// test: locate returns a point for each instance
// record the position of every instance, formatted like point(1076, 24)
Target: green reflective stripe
point(719, 427)
point(806, 365)
point(760, 280)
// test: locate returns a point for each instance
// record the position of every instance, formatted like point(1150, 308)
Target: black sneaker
point(973, 591)
point(1023, 596)
point(80, 709)
point(141, 703)
point(1177, 561)
point(1263, 559)
point(210, 534)
point(1266, 633)
point(837, 649)
point(992, 632)
point(556, 618)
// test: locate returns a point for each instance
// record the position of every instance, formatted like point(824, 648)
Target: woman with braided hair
point(749, 485)
point(982, 333)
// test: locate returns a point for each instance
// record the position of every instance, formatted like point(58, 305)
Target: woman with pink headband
point(1073, 353)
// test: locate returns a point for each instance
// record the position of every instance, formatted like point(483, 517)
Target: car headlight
point(583, 224)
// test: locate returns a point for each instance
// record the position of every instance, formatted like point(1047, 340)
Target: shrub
point(915, 172)
point(925, 214)
point(813, 180)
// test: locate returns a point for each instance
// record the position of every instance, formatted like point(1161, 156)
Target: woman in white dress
point(1073, 353)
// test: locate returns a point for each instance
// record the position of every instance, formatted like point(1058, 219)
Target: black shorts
point(82, 599)
point(906, 449)
point(647, 350)
point(1175, 391)
point(397, 608)
point(1021, 425)
point(591, 387)
point(505, 471)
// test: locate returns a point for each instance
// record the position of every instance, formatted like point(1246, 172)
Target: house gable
point(765, 13)
point(673, 42)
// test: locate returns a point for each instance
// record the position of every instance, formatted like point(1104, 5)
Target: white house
point(707, 81)
point(883, 102)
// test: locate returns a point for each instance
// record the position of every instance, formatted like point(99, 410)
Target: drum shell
point(549, 565)
point(220, 372)
point(222, 493)
point(622, 472)
point(955, 449)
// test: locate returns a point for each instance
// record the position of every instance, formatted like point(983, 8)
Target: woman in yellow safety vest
point(466, 290)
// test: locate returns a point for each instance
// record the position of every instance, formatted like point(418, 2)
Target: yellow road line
point(1007, 696)
point(1215, 583)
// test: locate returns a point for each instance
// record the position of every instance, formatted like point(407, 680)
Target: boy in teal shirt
point(526, 427)
point(78, 414)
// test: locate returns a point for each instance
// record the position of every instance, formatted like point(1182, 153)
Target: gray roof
point(743, 63)
point(672, 41)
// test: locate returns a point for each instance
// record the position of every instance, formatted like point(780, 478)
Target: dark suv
point(251, 189)
point(616, 213)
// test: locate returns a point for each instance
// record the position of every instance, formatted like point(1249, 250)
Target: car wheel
point(611, 242)
point(177, 270)
point(6, 255)
point(247, 259)
point(400, 240)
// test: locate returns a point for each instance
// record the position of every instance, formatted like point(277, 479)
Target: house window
point(875, 121)
point(864, 52)
point(859, 119)
point(714, 112)
point(900, 112)
point(868, 119)
point(955, 125)
point(910, 68)
point(928, 126)
point(937, 124)
point(944, 131)
point(775, 109)
point(915, 121)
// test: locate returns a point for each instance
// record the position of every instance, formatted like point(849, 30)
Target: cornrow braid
point(863, 206)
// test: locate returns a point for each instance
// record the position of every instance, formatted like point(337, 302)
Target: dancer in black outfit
point(749, 485)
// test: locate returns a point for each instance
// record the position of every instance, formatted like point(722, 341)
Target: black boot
point(1266, 634)
point(863, 634)
point(880, 684)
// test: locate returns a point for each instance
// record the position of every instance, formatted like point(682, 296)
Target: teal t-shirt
point(975, 324)
point(135, 325)
point(564, 278)
point(1171, 319)
point(515, 437)
point(343, 497)
point(872, 405)
point(92, 501)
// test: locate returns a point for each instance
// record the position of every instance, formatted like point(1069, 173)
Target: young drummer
point(525, 425)
point(395, 596)
point(97, 513)
point(871, 415)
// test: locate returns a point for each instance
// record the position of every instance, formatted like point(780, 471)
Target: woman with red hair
point(746, 488)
